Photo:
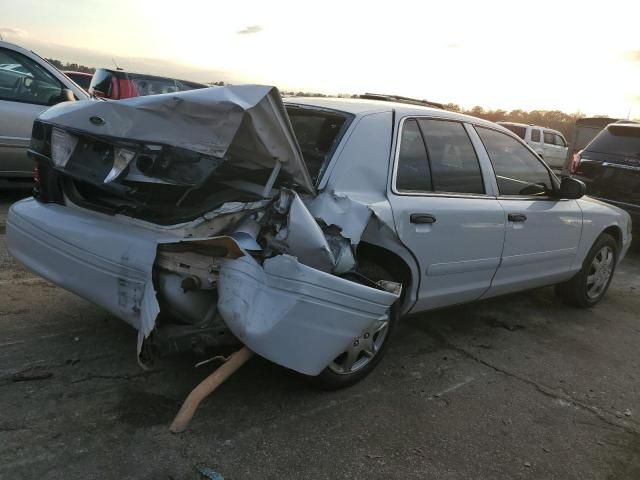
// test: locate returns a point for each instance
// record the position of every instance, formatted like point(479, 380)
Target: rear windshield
point(517, 129)
point(318, 133)
point(154, 85)
point(618, 139)
point(101, 81)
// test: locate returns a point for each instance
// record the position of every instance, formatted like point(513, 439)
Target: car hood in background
point(245, 124)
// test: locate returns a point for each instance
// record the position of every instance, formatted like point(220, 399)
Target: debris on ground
point(206, 388)
point(210, 473)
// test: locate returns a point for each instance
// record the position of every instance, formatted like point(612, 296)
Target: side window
point(413, 166)
point(453, 161)
point(535, 135)
point(518, 171)
point(560, 141)
point(548, 138)
point(23, 80)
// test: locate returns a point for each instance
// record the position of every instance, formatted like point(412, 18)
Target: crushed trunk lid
point(245, 126)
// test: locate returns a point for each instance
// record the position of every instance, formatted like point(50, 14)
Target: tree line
point(555, 119)
point(73, 67)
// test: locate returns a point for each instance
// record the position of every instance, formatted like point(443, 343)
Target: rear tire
point(366, 351)
point(591, 283)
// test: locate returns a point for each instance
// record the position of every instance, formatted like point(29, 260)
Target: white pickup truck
point(549, 144)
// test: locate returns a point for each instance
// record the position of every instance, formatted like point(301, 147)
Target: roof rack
point(401, 99)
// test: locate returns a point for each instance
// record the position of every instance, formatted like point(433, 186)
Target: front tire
point(591, 283)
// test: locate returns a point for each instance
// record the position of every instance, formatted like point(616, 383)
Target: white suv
point(549, 144)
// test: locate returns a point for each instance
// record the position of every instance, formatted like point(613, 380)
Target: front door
point(542, 232)
point(26, 89)
point(444, 212)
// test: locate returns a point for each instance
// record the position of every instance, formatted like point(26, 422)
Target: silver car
point(28, 85)
point(303, 230)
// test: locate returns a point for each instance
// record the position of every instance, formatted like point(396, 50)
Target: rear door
point(542, 232)
point(445, 211)
point(26, 89)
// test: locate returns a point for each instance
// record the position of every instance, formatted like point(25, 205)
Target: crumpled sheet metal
point(294, 315)
point(304, 237)
point(339, 209)
point(107, 262)
point(247, 123)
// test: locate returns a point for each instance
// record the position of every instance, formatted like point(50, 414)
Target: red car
point(81, 78)
point(118, 84)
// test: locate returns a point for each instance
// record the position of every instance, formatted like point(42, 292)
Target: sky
point(565, 55)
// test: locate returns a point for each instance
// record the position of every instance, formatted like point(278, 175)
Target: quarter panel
point(598, 216)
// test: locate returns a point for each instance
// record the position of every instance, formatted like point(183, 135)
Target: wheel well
point(390, 262)
point(616, 233)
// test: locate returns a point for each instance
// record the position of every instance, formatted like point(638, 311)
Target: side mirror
point(66, 95)
point(572, 188)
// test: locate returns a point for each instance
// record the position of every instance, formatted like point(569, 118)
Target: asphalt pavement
point(515, 387)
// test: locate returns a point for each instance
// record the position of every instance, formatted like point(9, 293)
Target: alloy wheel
point(363, 349)
point(600, 272)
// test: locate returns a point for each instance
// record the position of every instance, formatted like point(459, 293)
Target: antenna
point(114, 62)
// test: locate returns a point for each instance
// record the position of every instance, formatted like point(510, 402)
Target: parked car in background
point(118, 84)
point(584, 130)
point(305, 228)
point(81, 78)
point(610, 167)
point(28, 85)
point(549, 144)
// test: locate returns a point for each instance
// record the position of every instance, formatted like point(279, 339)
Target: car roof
point(626, 125)
point(359, 107)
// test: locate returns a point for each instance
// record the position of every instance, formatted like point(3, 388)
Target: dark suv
point(118, 84)
point(610, 166)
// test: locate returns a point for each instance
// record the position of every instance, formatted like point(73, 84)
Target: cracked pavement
point(515, 387)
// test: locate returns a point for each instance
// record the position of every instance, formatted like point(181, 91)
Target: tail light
point(575, 162)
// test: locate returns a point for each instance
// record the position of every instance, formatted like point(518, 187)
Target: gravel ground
point(516, 387)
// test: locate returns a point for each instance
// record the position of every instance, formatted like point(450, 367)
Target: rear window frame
point(339, 139)
point(396, 157)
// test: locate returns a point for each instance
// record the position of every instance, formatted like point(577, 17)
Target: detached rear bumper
point(295, 315)
point(104, 261)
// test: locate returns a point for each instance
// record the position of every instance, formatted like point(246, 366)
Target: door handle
point(422, 218)
point(517, 217)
